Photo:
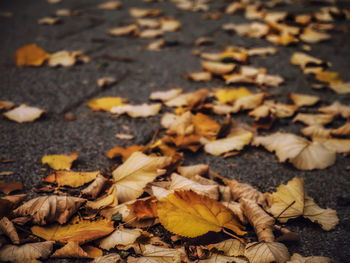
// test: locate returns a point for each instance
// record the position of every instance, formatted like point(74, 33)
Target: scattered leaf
point(66, 58)
point(110, 5)
point(30, 55)
point(218, 67)
point(10, 187)
point(129, 30)
point(6, 105)
point(138, 111)
point(165, 95)
point(342, 88)
point(70, 178)
point(333, 78)
point(203, 76)
point(231, 95)
point(73, 250)
point(24, 113)
point(94, 189)
point(336, 108)
point(296, 258)
point(145, 208)
point(105, 103)
point(303, 99)
point(267, 252)
point(230, 247)
point(125, 153)
point(49, 20)
point(59, 161)
point(313, 119)
point(139, 12)
point(122, 238)
point(105, 82)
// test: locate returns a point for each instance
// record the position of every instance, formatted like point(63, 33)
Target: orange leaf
point(7, 188)
point(145, 209)
point(70, 178)
point(30, 55)
point(124, 152)
point(205, 126)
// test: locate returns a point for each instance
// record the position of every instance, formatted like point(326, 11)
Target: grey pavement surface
point(91, 134)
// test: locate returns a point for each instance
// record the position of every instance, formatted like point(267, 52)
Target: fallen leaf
point(145, 208)
point(66, 58)
point(188, 99)
point(80, 231)
point(306, 61)
point(94, 189)
point(188, 214)
point(70, 178)
point(49, 20)
point(327, 218)
point(124, 152)
point(134, 174)
point(109, 258)
point(316, 131)
point(262, 51)
point(24, 113)
point(110, 5)
point(124, 136)
point(201, 41)
point(67, 12)
point(343, 88)
point(138, 111)
point(273, 109)
point(288, 201)
point(231, 95)
point(259, 219)
point(205, 126)
point(203, 76)
point(218, 68)
point(217, 258)
point(148, 22)
point(334, 144)
point(105, 103)
point(7, 228)
point(165, 95)
point(269, 80)
point(248, 102)
point(9, 187)
point(27, 252)
point(151, 33)
point(333, 78)
point(336, 108)
point(154, 254)
point(60, 161)
point(73, 250)
point(6, 105)
point(266, 252)
point(303, 100)
point(139, 12)
point(129, 30)
point(106, 82)
point(303, 154)
point(313, 119)
point(296, 258)
point(230, 247)
point(122, 238)
point(30, 55)
point(169, 24)
point(254, 29)
point(107, 200)
point(49, 209)
point(312, 36)
point(342, 130)
point(192, 170)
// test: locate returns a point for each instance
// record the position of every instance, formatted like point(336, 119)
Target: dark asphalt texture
point(66, 90)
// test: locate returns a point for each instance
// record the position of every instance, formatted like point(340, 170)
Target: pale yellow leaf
point(165, 95)
point(138, 111)
point(121, 237)
point(231, 247)
point(110, 5)
point(303, 99)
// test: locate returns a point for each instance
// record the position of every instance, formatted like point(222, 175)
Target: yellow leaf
point(70, 178)
point(24, 113)
point(205, 126)
point(80, 231)
point(60, 161)
point(230, 95)
point(303, 99)
point(191, 215)
point(106, 103)
point(30, 55)
point(332, 78)
point(110, 199)
point(288, 201)
point(124, 152)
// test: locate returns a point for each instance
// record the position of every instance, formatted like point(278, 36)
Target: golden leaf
point(139, 12)
point(151, 33)
point(121, 237)
point(124, 152)
point(248, 102)
point(341, 88)
point(188, 214)
point(327, 218)
point(169, 24)
point(342, 130)
point(230, 95)
point(303, 99)
point(288, 201)
point(73, 250)
point(311, 36)
point(193, 170)
point(6, 105)
point(259, 219)
point(138, 111)
point(138, 170)
point(30, 55)
point(108, 200)
point(296, 258)
point(266, 252)
point(60, 161)
point(80, 231)
point(9, 187)
point(144, 208)
point(188, 99)
point(199, 76)
point(218, 68)
point(332, 78)
point(273, 109)
point(7, 228)
point(24, 113)
point(70, 178)
point(132, 30)
point(105, 103)
point(66, 58)
point(48, 209)
point(205, 126)
point(254, 29)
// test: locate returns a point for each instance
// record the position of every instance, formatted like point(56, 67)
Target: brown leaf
point(49, 209)
point(30, 55)
point(266, 252)
point(145, 208)
point(296, 258)
point(109, 258)
point(122, 238)
point(9, 187)
point(6, 105)
point(7, 228)
point(106, 82)
point(343, 130)
point(205, 126)
point(107, 200)
point(230, 247)
point(94, 189)
point(138, 111)
point(261, 221)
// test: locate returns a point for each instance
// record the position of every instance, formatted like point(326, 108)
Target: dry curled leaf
point(138, 111)
point(165, 95)
point(230, 247)
point(105, 103)
point(144, 208)
point(254, 29)
point(303, 154)
point(26, 252)
point(153, 254)
point(109, 258)
point(49, 20)
point(134, 174)
point(60, 161)
point(316, 131)
point(341, 88)
point(30, 55)
point(192, 170)
point(334, 144)
point(122, 238)
point(106, 81)
point(231, 95)
point(205, 126)
point(336, 108)
point(190, 99)
point(266, 252)
point(24, 113)
point(273, 109)
point(188, 214)
point(139, 12)
point(342, 130)
point(7, 228)
point(199, 76)
point(9, 187)
point(70, 178)
point(73, 250)
point(49, 209)
point(6, 105)
point(107, 200)
point(94, 189)
point(80, 231)
point(218, 68)
point(259, 219)
point(246, 191)
point(66, 58)
point(327, 218)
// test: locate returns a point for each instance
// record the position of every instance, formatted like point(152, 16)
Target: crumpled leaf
point(26, 252)
point(71, 178)
point(7, 228)
point(248, 102)
point(110, 5)
point(334, 144)
point(316, 131)
point(313, 119)
point(73, 250)
point(312, 36)
point(80, 231)
point(137, 111)
point(9, 187)
point(191, 215)
point(124, 152)
point(296, 258)
point(94, 189)
point(49, 209)
point(108, 200)
point(66, 58)
point(60, 161)
point(105, 103)
point(254, 29)
point(179, 125)
point(133, 175)
point(259, 219)
point(30, 55)
point(231, 247)
point(24, 113)
point(179, 182)
point(121, 237)
point(151, 33)
point(333, 78)
point(169, 24)
point(144, 208)
point(303, 99)
point(188, 99)
point(273, 109)
point(336, 108)
point(342, 130)
point(303, 154)
point(307, 63)
point(217, 258)
point(156, 254)
point(327, 218)
point(266, 252)
point(288, 201)
point(193, 170)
